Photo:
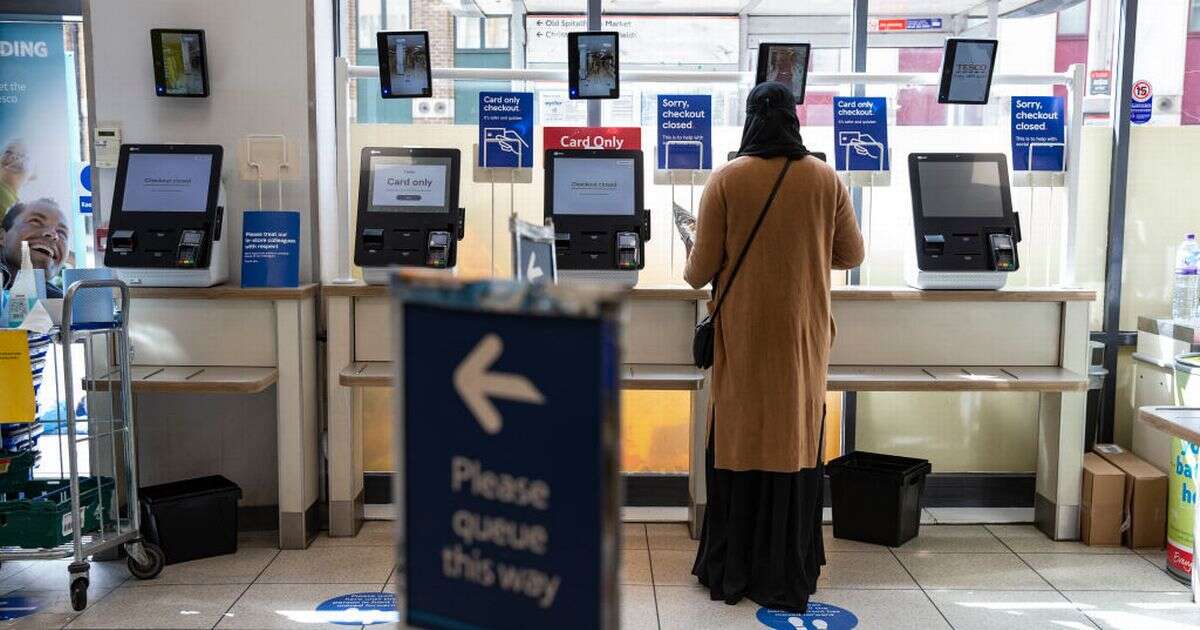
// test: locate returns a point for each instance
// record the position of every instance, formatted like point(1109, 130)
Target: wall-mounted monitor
point(593, 65)
point(404, 70)
point(180, 62)
point(786, 64)
point(967, 66)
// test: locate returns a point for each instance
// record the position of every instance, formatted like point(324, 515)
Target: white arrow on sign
point(476, 385)
point(534, 272)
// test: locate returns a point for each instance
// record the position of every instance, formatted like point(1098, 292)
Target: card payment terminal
point(167, 227)
point(966, 232)
point(408, 212)
point(595, 198)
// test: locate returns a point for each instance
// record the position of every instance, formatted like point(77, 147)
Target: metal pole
point(1122, 93)
point(595, 22)
point(858, 59)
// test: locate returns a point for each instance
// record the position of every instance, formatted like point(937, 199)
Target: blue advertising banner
point(85, 180)
point(684, 132)
point(506, 129)
point(860, 134)
point(1038, 133)
point(507, 479)
point(36, 160)
point(271, 248)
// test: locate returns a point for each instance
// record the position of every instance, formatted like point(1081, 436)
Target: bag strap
point(753, 232)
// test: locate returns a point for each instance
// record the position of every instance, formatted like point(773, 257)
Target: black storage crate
point(877, 498)
point(192, 519)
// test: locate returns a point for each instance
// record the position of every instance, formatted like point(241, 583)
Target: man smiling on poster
point(43, 225)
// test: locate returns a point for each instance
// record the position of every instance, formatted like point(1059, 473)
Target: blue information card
point(506, 129)
point(860, 134)
point(684, 131)
point(1038, 133)
point(271, 248)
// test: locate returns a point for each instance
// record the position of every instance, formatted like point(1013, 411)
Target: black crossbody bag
point(702, 343)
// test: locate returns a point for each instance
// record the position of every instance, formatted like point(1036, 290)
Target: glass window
point(466, 32)
point(1074, 20)
point(495, 32)
point(1194, 17)
point(396, 13)
point(370, 21)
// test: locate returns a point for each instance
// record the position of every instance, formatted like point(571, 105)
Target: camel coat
point(774, 331)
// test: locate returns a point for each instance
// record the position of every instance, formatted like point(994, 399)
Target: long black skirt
point(762, 536)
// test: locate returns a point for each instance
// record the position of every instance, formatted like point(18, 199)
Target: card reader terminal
point(595, 199)
point(965, 228)
point(167, 223)
point(408, 212)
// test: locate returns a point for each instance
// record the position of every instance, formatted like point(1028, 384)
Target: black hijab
point(772, 128)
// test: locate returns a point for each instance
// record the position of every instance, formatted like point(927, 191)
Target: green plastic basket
point(37, 514)
point(16, 469)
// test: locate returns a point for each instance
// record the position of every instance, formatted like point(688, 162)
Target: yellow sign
point(16, 378)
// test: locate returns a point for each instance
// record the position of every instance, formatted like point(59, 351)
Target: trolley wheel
point(79, 589)
point(156, 559)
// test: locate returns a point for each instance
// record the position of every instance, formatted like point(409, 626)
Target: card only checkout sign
point(506, 129)
point(506, 482)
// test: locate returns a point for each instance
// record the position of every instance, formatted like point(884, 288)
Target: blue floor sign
point(819, 617)
point(17, 606)
point(358, 609)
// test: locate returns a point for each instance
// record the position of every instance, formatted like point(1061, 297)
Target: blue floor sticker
point(17, 606)
point(819, 617)
point(354, 609)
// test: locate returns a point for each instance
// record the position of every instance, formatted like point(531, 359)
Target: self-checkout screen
point(961, 189)
point(403, 184)
point(594, 186)
point(157, 182)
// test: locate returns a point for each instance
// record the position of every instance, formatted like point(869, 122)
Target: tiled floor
point(952, 576)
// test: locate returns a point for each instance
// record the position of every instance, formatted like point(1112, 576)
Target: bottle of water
point(1185, 300)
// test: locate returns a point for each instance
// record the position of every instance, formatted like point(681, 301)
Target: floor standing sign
point(1038, 133)
point(507, 427)
point(860, 134)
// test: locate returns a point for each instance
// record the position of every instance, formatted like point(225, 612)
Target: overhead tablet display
point(967, 66)
point(786, 64)
point(593, 65)
point(595, 186)
point(167, 182)
point(404, 64)
point(410, 184)
point(180, 62)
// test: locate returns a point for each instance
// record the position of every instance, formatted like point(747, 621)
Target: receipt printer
point(408, 212)
point(965, 228)
point(167, 225)
point(595, 199)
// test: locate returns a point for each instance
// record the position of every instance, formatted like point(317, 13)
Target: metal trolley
point(104, 512)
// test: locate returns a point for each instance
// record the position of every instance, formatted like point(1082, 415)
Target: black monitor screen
point(167, 182)
point(961, 189)
point(404, 68)
point(180, 67)
point(967, 71)
point(407, 184)
point(595, 186)
point(594, 65)
point(786, 64)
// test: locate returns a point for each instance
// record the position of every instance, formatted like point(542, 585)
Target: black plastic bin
point(877, 498)
point(192, 519)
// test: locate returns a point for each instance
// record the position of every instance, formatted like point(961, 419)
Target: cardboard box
point(1145, 498)
point(1103, 502)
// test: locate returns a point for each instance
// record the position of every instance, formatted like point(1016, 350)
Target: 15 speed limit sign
point(1141, 105)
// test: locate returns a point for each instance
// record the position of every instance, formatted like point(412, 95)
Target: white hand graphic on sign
point(476, 385)
point(863, 144)
point(507, 140)
point(534, 271)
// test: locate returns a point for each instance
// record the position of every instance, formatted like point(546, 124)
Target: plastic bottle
point(1185, 298)
point(23, 294)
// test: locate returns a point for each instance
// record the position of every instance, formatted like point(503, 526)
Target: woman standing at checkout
point(762, 529)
